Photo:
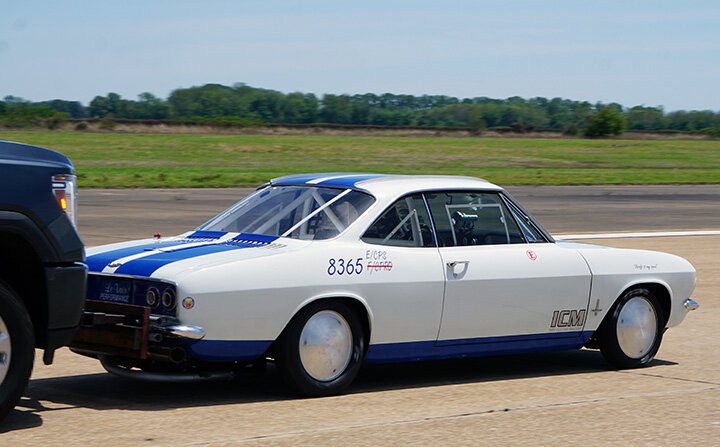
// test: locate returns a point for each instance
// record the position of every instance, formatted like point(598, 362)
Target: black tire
point(288, 352)
point(608, 340)
point(22, 346)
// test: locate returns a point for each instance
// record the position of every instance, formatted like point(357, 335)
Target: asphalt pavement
point(114, 215)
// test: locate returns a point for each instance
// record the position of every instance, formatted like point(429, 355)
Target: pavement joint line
point(681, 379)
point(568, 237)
point(446, 417)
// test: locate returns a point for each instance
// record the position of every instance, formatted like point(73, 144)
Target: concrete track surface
point(570, 397)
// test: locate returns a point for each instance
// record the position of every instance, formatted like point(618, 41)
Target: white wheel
point(632, 332)
point(325, 345)
point(637, 327)
point(322, 348)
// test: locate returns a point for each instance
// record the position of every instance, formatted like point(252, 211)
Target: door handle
point(452, 264)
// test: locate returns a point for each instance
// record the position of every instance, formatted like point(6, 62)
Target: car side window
point(472, 218)
point(405, 224)
point(532, 234)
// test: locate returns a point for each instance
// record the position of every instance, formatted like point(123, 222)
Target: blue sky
point(633, 52)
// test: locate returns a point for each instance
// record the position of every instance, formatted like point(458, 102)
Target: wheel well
point(355, 305)
point(663, 295)
point(362, 313)
point(660, 291)
point(22, 270)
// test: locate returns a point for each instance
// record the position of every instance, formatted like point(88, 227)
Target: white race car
point(323, 272)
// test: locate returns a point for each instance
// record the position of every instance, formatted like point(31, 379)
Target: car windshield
point(299, 212)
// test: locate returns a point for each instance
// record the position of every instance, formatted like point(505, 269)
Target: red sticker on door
point(531, 254)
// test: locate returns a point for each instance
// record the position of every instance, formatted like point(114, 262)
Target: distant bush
point(56, 120)
point(107, 124)
point(501, 129)
point(26, 116)
point(711, 131)
point(81, 126)
point(224, 121)
point(607, 121)
point(571, 130)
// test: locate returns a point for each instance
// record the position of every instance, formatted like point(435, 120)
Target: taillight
point(65, 189)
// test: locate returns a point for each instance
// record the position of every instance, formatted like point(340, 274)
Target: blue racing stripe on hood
point(261, 238)
point(98, 261)
point(147, 265)
point(202, 234)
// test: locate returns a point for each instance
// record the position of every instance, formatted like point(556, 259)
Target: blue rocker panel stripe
point(223, 350)
point(226, 351)
point(475, 347)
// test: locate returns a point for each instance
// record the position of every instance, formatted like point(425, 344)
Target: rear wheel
point(321, 350)
point(17, 349)
point(632, 334)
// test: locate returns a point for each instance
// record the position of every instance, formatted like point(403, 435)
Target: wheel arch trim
point(333, 296)
point(654, 284)
point(20, 225)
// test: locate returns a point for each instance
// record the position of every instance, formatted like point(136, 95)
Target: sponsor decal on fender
point(568, 318)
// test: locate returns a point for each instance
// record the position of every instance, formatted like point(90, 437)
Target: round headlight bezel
point(152, 297)
point(169, 300)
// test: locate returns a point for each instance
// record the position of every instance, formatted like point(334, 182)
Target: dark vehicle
point(42, 275)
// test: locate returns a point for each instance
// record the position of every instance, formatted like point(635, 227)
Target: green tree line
point(241, 103)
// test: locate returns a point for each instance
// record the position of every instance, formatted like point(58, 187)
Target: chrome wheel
point(637, 327)
point(5, 350)
point(326, 345)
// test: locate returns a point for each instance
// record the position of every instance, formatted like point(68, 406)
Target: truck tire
point(17, 349)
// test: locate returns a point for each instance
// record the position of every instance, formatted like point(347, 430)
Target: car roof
point(383, 184)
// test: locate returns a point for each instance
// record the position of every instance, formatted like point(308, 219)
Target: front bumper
point(65, 287)
point(126, 330)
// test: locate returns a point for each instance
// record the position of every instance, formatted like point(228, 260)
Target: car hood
point(148, 257)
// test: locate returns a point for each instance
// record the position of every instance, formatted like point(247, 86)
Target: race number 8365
point(344, 267)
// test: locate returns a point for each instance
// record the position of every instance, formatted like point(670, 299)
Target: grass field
point(205, 160)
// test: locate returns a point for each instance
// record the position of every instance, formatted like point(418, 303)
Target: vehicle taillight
point(65, 189)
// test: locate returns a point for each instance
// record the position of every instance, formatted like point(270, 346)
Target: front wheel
point(17, 349)
point(321, 350)
point(632, 334)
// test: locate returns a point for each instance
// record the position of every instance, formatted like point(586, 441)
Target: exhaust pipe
point(129, 373)
point(165, 354)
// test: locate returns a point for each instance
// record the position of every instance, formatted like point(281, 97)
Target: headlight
point(65, 188)
point(168, 299)
point(152, 297)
